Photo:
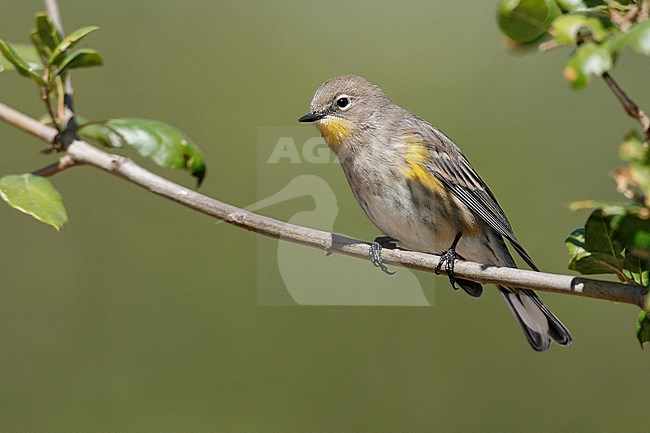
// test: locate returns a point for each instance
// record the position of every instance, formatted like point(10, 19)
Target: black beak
point(311, 117)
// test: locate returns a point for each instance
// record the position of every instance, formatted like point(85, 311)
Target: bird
point(416, 186)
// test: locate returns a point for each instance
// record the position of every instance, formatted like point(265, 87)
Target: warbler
point(419, 189)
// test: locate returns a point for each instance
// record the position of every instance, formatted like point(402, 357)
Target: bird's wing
point(447, 164)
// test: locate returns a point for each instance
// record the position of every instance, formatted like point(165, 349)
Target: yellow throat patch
point(334, 131)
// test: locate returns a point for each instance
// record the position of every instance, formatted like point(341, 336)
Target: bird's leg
point(375, 252)
point(448, 258)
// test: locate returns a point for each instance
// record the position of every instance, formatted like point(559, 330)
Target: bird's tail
point(540, 326)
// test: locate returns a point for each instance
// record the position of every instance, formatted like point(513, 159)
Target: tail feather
point(557, 331)
point(540, 326)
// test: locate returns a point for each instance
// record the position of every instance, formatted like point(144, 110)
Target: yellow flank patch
point(416, 156)
point(334, 131)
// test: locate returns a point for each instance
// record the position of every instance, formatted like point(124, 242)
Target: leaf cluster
point(47, 61)
point(51, 55)
point(598, 30)
point(615, 240)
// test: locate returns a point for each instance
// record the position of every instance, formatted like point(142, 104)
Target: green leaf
point(643, 328)
point(587, 262)
point(614, 240)
point(69, 42)
point(598, 248)
point(597, 263)
point(589, 59)
point(575, 242)
point(600, 236)
point(639, 37)
point(166, 145)
point(35, 196)
point(82, 58)
point(23, 58)
point(634, 231)
point(41, 48)
point(47, 32)
point(567, 28)
point(524, 21)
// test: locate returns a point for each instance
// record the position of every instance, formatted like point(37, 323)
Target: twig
point(83, 153)
point(629, 106)
point(65, 162)
point(45, 97)
point(67, 115)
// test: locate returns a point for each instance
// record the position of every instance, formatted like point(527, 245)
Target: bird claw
point(375, 252)
point(448, 258)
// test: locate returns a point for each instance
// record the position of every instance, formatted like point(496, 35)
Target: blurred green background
point(142, 315)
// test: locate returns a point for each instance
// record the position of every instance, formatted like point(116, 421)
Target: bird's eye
point(343, 102)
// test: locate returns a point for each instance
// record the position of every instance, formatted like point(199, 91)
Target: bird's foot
point(448, 258)
point(375, 252)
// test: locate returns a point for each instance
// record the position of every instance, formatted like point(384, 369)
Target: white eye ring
point(343, 102)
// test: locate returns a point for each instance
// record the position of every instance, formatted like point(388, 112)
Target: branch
point(83, 153)
point(27, 124)
point(629, 106)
